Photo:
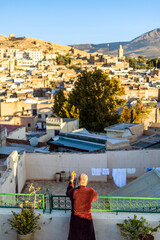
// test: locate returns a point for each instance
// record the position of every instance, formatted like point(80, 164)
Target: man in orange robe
point(81, 224)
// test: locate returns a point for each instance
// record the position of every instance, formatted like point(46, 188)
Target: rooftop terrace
point(102, 188)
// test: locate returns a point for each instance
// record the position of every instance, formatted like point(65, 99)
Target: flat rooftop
point(10, 128)
point(80, 145)
point(16, 147)
point(152, 141)
point(121, 126)
point(59, 188)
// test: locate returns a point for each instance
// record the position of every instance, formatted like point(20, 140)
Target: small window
point(34, 112)
point(46, 116)
point(56, 132)
point(39, 116)
point(29, 125)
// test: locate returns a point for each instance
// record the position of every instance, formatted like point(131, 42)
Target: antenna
point(108, 49)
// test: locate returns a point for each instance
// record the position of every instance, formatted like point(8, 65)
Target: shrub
point(24, 222)
point(131, 229)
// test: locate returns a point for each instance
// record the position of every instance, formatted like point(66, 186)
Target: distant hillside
point(147, 45)
point(24, 43)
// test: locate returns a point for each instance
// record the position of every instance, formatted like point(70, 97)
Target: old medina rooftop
point(25, 166)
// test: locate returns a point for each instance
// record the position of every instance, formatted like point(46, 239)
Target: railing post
point(50, 202)
point(43, 203)
point(48, 199)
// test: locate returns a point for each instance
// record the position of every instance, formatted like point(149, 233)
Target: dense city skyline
point(79, 22)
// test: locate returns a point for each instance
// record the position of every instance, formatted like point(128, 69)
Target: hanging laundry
point(105, 171)
point(96, 171)
point(119, 176)
point(131, 170)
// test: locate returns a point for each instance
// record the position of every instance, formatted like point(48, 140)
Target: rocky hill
point(147, 45)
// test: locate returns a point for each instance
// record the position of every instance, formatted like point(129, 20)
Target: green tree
point(63, 60)
point(70, 111)
point(96, 97)
point(75, 67)
point(133, 63)
point(154, 62)
point(126, 115)
point(57, 109)
point(140, 112)
point(53, 84)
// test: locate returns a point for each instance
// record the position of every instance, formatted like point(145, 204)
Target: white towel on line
point(119, 176)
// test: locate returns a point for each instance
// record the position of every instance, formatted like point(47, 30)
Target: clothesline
point(118, 174)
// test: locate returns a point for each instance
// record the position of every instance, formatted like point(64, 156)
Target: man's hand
point(73, 176)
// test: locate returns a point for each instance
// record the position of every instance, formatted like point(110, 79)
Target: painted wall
point(15, 175)
point(57, 228)
point(21, 172)
point(19, 133)
point(44, 166)
point(17, 107)
point(70, 126)
point(44, 110)
point(7, 182)
point(53, 124)
point(44, 138)
point(139, 159)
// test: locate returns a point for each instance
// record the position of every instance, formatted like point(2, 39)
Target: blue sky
point(72, 22)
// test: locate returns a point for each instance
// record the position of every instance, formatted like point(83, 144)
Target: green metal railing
point(49, 202)
point(126, 204)
point(13, 200)
point(61, 202)
point(111, 204)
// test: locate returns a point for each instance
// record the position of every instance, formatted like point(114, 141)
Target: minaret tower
point(120, 52)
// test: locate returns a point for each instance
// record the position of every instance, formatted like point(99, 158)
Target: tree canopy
point(57, 109)
point(94, 99)
point(63, 59)
point(137, 113)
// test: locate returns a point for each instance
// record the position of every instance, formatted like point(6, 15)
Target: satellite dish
point(33, 141)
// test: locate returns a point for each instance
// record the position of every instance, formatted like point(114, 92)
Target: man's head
point(83, 179)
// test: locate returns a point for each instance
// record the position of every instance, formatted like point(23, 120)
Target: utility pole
point(108, 49)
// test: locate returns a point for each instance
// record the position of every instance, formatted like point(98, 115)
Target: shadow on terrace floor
point(102, 188)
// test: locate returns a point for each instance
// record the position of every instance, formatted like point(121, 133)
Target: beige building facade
point(54, 126)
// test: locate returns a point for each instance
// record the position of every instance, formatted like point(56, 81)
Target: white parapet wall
point(9, 180)
point(21, 173)
point(55, 226)
point(138, 159)
point(44, 166)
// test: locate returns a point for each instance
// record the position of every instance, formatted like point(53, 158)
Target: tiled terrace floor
point(102, 188)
